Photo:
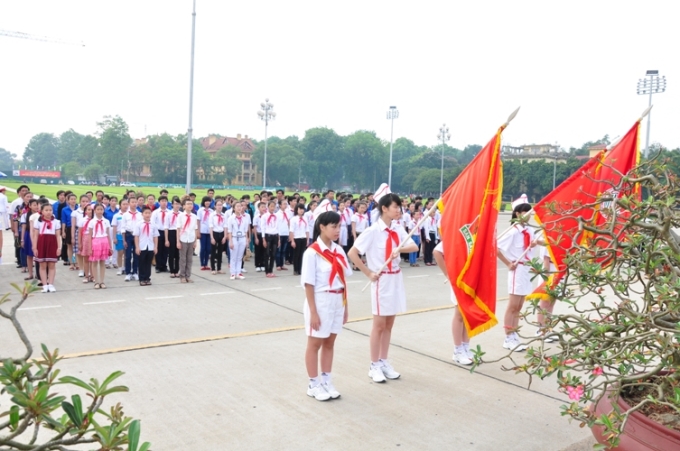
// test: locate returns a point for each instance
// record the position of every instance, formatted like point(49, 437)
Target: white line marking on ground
point(163, 297)
point(40, 308)
point(103, 302)
point(266, 289)
point(219, 292)
point(354, 281)
point(414, 277)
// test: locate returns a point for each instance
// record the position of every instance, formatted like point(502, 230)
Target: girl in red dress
point(47, 246)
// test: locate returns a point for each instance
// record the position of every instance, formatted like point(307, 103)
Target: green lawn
point(50, 191)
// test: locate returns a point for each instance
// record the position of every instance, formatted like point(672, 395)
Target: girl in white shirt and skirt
point(324, 271)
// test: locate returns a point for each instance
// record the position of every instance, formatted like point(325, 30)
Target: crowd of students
point(324, 238)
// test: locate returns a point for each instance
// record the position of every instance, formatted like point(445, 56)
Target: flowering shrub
point(620, 335)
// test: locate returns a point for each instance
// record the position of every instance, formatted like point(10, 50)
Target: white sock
point(460, 349)
point(325, 377)
point(466, 344)
point(376, 364)
point(313, 382)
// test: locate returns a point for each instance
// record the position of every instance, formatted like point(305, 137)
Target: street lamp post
point(652, 85)
point(191, 104)
point(392, 114)
point(443, 136)
point(267, 114)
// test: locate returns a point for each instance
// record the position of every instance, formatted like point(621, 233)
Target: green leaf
point(145, 446)
point(75, 381)
point(133, 435)
point(113, 376)
point(70, 411)
point(116, 389)
point(78, 407)
point(14, 417)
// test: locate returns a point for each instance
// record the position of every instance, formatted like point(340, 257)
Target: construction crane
point(20, 35)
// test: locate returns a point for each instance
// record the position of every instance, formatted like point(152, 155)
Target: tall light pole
point(652, 85)
point(392, 114)
point(267, 114)
point(443, 136)
point(191, 103)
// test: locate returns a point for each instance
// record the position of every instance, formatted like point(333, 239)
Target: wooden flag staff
point(429, 213)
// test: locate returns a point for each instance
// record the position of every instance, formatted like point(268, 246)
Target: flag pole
point(434, 206)
point(410, 234)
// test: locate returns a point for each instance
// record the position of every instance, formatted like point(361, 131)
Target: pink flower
point(597, 371)
point(575, 393)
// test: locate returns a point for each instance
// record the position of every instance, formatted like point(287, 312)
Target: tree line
point(357, 162)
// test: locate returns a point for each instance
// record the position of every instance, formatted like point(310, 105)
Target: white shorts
point(519, 281)
point(331, 313)
point(388, 295)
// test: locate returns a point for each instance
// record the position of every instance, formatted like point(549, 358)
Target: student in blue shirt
point(112, 209)
point(65, 219)
point(157, 205)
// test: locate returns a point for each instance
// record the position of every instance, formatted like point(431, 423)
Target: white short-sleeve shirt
point(512, 243)
point(238, 226)
point(146, 235)
point(47, 228)
point(373, 243)
point(299, 227)
point(361, 220)
point(99, 228)
point(218, 222)
point(316, 270)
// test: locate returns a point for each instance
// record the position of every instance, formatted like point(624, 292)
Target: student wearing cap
point(515, 250)
point(381, 244)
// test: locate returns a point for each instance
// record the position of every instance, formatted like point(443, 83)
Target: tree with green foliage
point(227, 164)
point(320, 148)
point(6, 159)
point(93, 172)
point(42, 151)
point(115, 140)
point(71, 170)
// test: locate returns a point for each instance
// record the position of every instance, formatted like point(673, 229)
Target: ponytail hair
point(387, 200)
point(325, 218)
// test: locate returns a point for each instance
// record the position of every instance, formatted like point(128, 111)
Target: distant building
point(535, 152)
point(249, 175)
point(597, 148)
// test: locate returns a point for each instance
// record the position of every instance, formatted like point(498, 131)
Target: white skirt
point(388, 296)
point(519, 281)
point(343, 236)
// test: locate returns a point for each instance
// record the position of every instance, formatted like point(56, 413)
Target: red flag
point(469, 212)
point(592, 181)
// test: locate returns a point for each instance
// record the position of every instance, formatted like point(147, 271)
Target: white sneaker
point(244, 270)
point(512, 343)
point(128, 277)
point(45, 289)
point(120, 272)
point(460, 356)
point(388, 371)
point(81, 274)
point(375, 373)
point(52, 289)
point(136, 277)
point(240, 277)
point(468, 353)
point(319, 393)
point(330, 389)
point(262, 269)
point(546, 336)
point(257, 269)
point(232, 277)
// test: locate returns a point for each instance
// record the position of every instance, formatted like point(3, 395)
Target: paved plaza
point(219, 365)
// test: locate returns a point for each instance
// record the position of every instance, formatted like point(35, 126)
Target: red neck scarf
point(239, 219)
point(134, 215)
point(99, 226)
point(46, 225)
point(361, 217)
point(220, 218)
point(163, 216)
point(338, 264)
point(302, 221)
point(392, 238)
point(146, 229)
point(174, 217)
point(272, 217)
point(206, 213)
point(186, 224)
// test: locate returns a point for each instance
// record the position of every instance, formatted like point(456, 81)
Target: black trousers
point(216, 252)
point(173, 252)
point(350, 240)
point(300, 248)
point(144, 268)
point(270, 258)
point(260, 253)
point(429, 248)
point(162, 255)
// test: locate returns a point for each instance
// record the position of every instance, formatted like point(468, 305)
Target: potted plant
point(615, 351)
point(37, 417)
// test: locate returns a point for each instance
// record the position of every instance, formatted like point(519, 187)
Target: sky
point(572, 67)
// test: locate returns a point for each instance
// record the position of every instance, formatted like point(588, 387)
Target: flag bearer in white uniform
point(380, 243)
point(324, 271)
point(238, 228)
point(461, 341)
point(512, 250)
